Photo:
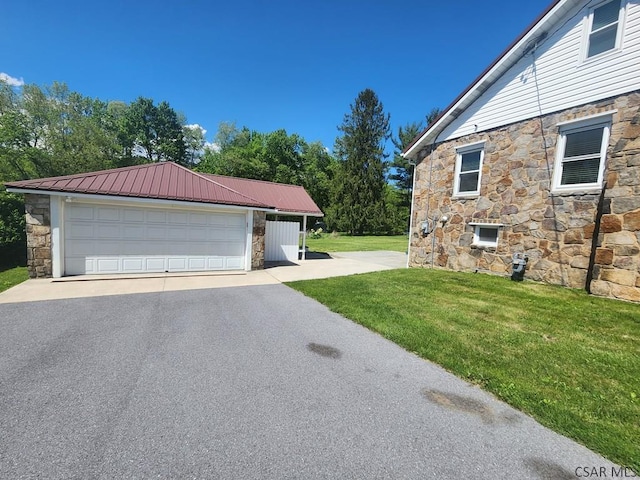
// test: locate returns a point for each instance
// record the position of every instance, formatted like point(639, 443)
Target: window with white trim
point(486, 235)
point(468, 170)
point(604, 28)
point(581, 155)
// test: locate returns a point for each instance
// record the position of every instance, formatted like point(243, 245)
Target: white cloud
point(12, 81)
point(212, 146)
point(195, 126)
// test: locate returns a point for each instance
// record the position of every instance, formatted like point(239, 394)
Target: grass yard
point(570, 360)
point(12, 276)
point(331, 242)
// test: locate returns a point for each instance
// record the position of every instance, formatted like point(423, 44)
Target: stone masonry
point(257, 247)
point(38, 224)
point(555, 231)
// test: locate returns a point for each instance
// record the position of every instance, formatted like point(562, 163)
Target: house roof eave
point(535, 32)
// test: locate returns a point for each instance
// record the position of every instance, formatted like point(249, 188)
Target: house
point(540, 156)
point(158, 217)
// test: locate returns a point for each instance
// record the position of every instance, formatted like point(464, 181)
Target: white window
point(604, 28)
point(581, 154)
point(486, 234)
point(468, 170)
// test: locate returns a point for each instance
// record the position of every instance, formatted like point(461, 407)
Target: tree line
point(50, 131)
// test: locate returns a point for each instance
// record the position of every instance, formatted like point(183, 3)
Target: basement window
point(486, 234)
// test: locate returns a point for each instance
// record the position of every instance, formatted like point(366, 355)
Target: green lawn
point(570, 360)
point(331, 242)
point(12, 276)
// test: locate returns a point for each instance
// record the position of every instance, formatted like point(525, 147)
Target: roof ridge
point(198, 174)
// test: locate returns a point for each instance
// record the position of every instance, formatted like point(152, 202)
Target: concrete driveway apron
point(251, 383)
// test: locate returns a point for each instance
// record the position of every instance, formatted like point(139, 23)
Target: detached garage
point(158, 217)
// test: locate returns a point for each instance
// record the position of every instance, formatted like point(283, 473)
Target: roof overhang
point(71, 197)
point(525, 43)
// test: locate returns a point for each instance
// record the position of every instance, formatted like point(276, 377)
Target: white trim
point(248, 254)
point(588, 119)
point(471, 146)
point(460, 151)
point(587, 123)
point(56, 212)
point(476, 234)
point(588, 30)
point(151, 202)
point(486, 224)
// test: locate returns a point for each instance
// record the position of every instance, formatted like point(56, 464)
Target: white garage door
point(111, 239)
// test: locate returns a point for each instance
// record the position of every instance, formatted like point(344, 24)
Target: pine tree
point(360, 192)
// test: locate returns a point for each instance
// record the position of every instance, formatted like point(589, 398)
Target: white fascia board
point(481, 85)
point(297, 214)
point(150, 202)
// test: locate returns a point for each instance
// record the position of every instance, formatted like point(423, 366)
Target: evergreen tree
point(403, 171)
point(359, 204)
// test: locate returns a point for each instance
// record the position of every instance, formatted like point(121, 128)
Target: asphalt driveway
point(246, 382)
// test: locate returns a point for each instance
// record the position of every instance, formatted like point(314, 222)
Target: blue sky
point(296, 65)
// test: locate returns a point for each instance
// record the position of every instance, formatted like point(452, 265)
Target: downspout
point(594, 239)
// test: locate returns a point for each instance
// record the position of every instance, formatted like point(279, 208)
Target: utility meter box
point(519, 265)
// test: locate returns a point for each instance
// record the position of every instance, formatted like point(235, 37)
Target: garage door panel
point(177, 263)
point(78, 212)
point(132, 215)
point(109, 239)
point(109, 248)
point(156, 233)
point(215, 263)
point(233, 263)
point(132, 232)
point(175, 233)
point(133, 264)
point(196, 263)
point(107, 265)
point(80, 230)
point(196, 234)
point(199, 219)
point(108, 231)
point(108, 214)
point(155, 264)
point(79, 247)
point(155, 216)
point(178, 218)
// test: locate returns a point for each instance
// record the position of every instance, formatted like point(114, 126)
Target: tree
point(402, 170)
point(194, 140)
point(153, 132)
point(359, 202)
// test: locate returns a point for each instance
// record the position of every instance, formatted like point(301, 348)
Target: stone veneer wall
point(555, 231)
point(38, 225)
point(257, 247)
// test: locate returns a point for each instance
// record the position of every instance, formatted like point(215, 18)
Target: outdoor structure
point(540, 156)
point(158, 217)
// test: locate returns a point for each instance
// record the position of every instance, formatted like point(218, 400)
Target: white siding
point(281, 241)
point(556, 77)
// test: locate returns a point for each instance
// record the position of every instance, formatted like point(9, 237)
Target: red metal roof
point(170, 181)
point(286, 198)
